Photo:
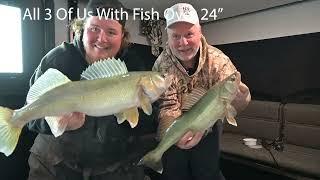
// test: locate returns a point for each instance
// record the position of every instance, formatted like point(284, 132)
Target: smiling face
point(101, 38)
point(184, 40)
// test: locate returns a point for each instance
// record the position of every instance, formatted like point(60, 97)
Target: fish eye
point(233, 78)
point(163, 75)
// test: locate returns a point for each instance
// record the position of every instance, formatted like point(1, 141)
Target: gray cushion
point(302, 124)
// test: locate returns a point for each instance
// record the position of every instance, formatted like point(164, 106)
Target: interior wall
point(136, 37)
point(33, 48)
point(61, 25)
point(279, 69)
point(13, 90)
point(294, 19)
point(268, 45)
point(276, 50)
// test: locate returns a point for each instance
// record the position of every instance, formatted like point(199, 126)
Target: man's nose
point(183, 41)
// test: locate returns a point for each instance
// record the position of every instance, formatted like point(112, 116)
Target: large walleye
point(108, 89)
point(205, 109)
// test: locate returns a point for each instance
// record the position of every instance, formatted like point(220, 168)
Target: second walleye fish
point(108, 89)
point(202, 115)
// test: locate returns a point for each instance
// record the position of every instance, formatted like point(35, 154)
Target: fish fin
point(231, 112)
point(105, 68)
point(132, 116)
point(146, 84)
point(120, 117)
point(145, 104)
point(56, 125)
point(9, 135)
point(153, 161)
point(49, 80)
point(192, 98)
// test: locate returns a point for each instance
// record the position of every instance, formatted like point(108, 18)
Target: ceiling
point(231, 8)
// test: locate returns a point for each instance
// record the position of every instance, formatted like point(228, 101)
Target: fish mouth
point(234, 77)
point(234, 82)
point(160, 84)
point(168, 78)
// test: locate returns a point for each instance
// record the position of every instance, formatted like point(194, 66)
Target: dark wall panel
point(285, 69)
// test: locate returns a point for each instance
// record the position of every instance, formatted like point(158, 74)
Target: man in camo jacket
point(195, 65)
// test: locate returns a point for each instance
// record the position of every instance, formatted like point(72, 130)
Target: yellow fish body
point(108, 89)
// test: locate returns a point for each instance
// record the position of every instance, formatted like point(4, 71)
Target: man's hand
point(74, 120)
point(189, 140)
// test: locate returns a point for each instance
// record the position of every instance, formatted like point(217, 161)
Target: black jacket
point(101, 141)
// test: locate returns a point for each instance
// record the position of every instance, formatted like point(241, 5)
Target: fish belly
point(103, 103)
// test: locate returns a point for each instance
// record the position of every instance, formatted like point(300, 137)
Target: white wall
point(295, 19)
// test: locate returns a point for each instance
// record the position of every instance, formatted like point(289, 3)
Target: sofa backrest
point(302, 124)
point(260, 120)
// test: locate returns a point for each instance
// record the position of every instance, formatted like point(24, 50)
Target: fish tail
point(9, 135)
point(152, 160)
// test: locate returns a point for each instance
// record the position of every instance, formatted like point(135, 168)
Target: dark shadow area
point(234, 171)
point(281, 69)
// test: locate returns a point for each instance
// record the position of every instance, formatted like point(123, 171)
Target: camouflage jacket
point(213, 66)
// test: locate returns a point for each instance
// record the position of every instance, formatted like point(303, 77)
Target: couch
point(289, 134)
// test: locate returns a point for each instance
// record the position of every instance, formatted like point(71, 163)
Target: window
point(11, 40)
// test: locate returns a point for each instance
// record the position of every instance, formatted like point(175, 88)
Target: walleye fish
point(203, 113)
point(108, 89)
